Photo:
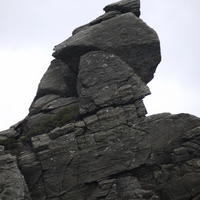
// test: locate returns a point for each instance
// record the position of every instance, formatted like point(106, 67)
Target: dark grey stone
point(125, 6)
point(104, 80)
point(87, 136)
point(105, 17)
point(58, 80)
point(54, 114)
point(37, 105)
point(125, 36)
point(12, 183)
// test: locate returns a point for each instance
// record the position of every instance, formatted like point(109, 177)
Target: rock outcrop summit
point(87, 136)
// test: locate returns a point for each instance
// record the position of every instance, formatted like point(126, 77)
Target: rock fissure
point(187, 189)
point(64, 174)
point(41, 177)
point(123, 106)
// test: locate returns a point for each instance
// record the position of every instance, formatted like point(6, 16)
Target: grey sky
point(31, 28)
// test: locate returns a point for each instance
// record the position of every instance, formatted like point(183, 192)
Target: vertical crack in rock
point(39, 143)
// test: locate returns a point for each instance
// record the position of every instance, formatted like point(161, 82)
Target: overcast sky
point(31, 28)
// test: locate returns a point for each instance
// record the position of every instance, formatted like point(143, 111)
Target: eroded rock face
point(175, 152)
point(104, 79)
point(58, 80)
point(12, 183)
point(125, 6)
point(87, 136)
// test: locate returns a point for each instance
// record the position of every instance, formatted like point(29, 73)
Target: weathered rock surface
point(104, 79)
point(12, 183)
point(125, 6)
point(177, 154)
point(58, 80)
point(125, 35)
point(87, 136)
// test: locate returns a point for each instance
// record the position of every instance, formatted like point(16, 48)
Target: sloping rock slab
point(37, 105)
point(58, 80)
point(125, 6)
point(125, 35)
point(53, 114)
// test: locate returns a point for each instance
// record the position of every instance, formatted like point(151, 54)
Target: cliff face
point(87, 137)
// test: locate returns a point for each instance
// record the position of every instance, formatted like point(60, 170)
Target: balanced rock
point(87, 136)
point(110, 82)
point(124, 35)
point(12, 183)
point(125, 6)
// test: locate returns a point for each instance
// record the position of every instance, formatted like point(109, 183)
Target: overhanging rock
point(124, 35)
point(87, 136)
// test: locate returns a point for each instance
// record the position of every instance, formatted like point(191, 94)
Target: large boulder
point(106, 80)
point(12, 183)
point(124, 35)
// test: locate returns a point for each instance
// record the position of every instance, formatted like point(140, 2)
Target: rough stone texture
point(104, 79)
point(58, 80)
point(50, 115)
point(12, 183)
point(87, 136)
point(98, 20)
point(175, 151)
point(125, 6)
point(84, 153)
point(125, 35)
point(114, 154)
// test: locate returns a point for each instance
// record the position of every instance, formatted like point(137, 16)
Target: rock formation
point(87, 136)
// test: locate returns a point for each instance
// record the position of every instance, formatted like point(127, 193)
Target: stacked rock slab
point(87, 137)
